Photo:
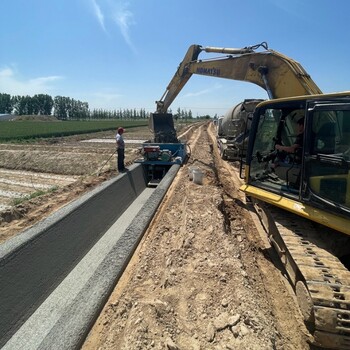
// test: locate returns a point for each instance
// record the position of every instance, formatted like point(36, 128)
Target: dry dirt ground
point(62, 168)
point(202, 277)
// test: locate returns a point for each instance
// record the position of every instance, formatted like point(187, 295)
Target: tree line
point(66, 108)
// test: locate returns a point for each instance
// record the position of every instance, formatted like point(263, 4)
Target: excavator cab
point(162, 125)
point(317, 174)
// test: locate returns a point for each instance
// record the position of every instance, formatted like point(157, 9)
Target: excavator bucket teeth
point(162, 125)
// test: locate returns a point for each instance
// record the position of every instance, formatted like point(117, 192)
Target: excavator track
point(321, 282)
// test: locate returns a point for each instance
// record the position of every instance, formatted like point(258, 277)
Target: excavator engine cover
point(162, 125)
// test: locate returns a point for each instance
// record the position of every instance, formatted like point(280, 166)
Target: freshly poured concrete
point(37, 315)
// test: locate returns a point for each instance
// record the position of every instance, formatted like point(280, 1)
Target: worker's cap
point(120, 129)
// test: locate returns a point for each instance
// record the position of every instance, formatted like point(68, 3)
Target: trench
point(56, 276)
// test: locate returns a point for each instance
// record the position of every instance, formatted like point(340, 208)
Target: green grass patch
point(26, 130)
point(35, 194)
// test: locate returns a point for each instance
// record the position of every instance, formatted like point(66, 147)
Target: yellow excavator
point(279, 75)
point(302, 196)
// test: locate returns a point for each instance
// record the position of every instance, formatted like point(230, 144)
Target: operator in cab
point(298, 143)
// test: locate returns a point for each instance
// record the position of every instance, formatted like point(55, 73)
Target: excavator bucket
point(162, 125)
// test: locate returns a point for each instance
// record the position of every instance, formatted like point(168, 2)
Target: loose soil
point(203, 276)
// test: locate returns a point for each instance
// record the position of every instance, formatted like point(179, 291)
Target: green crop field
point(24, 130)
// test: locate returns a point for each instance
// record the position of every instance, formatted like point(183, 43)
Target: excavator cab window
point(327, 165)
point(278, 171)
point(320, 171)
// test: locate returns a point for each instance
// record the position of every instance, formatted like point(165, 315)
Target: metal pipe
point(226, 50)
point(263, 72)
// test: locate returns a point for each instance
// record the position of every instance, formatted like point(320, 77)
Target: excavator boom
point(278, 74)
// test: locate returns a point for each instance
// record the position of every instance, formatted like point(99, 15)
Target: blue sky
point(122, 54)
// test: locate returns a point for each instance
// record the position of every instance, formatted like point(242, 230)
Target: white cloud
point(6, 72)
point(124, 18)
point(12, 84)
point(203, 92)
point(99, 15)
point(105, 100)
point(117, 11)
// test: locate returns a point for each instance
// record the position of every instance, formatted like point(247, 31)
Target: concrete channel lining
point(56, 276)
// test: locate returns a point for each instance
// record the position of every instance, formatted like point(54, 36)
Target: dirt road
point(202, 277)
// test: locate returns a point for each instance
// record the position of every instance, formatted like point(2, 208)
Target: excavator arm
point(184, 73)
point(278, 74)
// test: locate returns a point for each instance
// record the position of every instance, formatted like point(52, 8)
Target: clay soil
point(203, 276)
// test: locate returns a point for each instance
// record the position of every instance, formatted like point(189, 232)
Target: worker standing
point(120, 149)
